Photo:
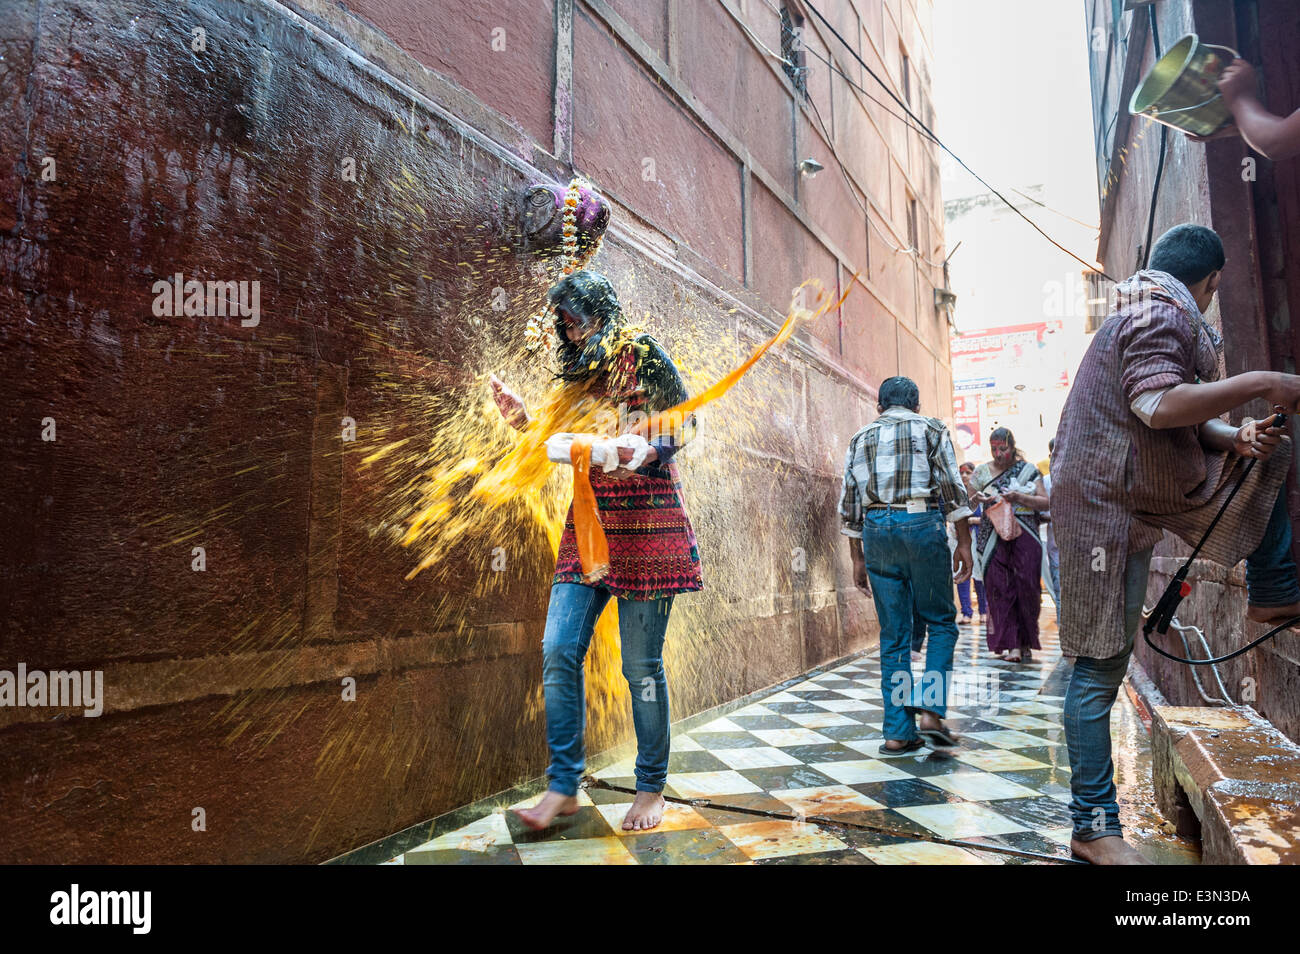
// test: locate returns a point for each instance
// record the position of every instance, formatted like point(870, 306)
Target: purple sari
point(1011, 576)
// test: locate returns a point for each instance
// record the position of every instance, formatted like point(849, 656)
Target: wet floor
point(794, 775)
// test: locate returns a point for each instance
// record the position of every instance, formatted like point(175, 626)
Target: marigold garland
point(539, 333)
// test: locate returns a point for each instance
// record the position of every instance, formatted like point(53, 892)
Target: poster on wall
point(966, 425)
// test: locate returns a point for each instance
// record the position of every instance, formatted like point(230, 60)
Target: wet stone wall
point(189, 508)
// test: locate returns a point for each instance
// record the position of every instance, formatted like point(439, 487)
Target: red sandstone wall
point(175, 431)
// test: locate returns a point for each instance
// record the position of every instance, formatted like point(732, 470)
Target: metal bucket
point(1182, 89)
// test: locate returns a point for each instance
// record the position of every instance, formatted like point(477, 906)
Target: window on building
point(792, 49)
point(1097, 304)
point(907, 77)
point(911, 222)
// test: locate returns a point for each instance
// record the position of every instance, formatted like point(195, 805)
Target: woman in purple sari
point(1011, 568)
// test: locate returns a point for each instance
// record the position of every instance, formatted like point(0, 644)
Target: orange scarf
point(593, 548)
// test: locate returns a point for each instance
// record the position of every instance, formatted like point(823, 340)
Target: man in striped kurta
point(900, 484)
point(1140, 450)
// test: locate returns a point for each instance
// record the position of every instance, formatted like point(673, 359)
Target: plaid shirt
point(900, 456)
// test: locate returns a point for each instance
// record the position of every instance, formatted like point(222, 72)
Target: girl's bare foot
point(543, 813)
point(647, 811)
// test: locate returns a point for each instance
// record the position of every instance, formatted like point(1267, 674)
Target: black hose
point(1218, 659)
point(1163, 614)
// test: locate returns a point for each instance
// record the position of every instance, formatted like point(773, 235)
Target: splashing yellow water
point(500, 475)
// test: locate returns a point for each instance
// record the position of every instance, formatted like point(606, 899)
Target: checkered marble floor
point(796, 776)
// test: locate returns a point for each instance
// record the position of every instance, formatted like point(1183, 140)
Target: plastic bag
point(1003, 517)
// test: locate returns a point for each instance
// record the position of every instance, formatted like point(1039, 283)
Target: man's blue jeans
point(1270, 581)
point(909, 566)
point(1270, 570)
point(1088, 700)
point(570, 619)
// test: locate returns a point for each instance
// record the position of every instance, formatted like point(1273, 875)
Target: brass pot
point(1182, 89)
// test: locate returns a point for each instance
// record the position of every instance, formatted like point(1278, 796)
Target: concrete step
point(1230, 774)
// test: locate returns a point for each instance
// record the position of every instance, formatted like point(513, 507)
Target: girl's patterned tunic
point(652, 551)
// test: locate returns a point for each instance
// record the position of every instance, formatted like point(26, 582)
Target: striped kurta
point(1118, 484)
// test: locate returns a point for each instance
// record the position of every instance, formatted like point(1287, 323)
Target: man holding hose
point(1141, 449)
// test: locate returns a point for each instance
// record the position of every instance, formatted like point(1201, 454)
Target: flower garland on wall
point(539, 334)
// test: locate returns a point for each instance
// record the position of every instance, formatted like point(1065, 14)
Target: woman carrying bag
point(1008, 553)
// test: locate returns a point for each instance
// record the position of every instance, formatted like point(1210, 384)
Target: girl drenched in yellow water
point(627, 537)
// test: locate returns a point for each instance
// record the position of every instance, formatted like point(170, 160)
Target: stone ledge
point(130, 685)
point(1201, 570)
point(1233, 774)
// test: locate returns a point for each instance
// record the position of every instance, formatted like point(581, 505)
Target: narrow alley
point(445, 432)
point(792, 775)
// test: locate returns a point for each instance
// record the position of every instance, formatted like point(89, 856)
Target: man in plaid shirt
point(900, 483)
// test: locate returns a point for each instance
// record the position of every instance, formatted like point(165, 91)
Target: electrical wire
point(917, 126)
point(884, 107)
point(1160, 163)
point(922, 127)
point(1064, 215)
point(830, 140)
point(888, 242)
point(830, 65)
point(911, 250)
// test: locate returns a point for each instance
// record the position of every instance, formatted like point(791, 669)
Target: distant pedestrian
point(1011, 567)
point(964, 587)
point(1053, 554)
point(900, 482)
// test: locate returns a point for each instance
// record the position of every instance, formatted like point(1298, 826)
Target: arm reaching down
point(1276, 137)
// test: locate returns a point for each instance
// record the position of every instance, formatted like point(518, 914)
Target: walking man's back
point(900, 482)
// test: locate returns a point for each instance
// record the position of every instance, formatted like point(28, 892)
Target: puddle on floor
point(1145, 827)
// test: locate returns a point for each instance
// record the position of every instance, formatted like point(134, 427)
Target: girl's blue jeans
point(570, 619)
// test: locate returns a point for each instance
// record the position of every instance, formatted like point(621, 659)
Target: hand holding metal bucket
point(1182, 89)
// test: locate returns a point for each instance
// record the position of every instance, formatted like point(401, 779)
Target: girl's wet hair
point(591, 296)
